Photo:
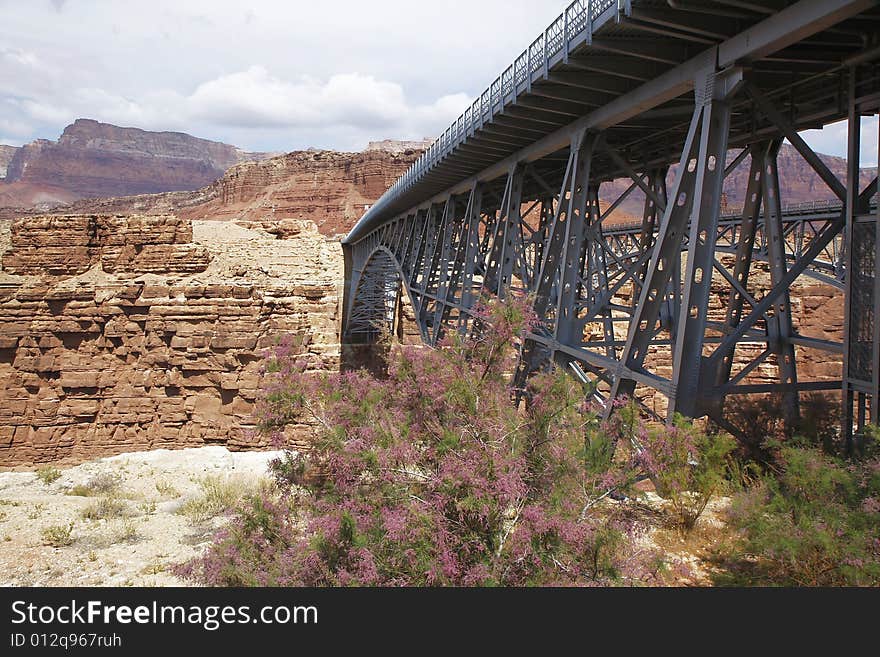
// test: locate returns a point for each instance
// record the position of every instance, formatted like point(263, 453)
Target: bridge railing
point(568, 28)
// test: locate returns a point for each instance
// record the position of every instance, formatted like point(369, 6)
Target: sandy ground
point(138, 545)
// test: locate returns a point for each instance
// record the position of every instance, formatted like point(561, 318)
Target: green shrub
point(815, 522)
point(687, 465)
point(58, 535)
point(48, 474)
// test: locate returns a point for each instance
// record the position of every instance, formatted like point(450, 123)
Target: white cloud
point(358, 105)
point(42, 112)
point(256, 98)
point(267, 74)
point(271, 75)
point(18, 57)
point(832, 140)
point(15, 128)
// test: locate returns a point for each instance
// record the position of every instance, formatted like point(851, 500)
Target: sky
point(266, 75)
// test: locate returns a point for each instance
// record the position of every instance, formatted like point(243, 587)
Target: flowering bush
point(687, 466)
point(431, 476)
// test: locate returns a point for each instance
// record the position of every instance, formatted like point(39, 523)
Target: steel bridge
point(508, 198)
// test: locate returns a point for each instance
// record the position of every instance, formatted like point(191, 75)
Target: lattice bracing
point(510, 199)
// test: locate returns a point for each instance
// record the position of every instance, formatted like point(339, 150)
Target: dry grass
point(105, 508)
point(58, 535)
point(218, 494)
point(100, 484)
point(127, 532)
point(167, 490)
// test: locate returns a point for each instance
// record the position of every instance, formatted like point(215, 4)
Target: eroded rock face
point(328, 188)
point(6, 154)
point(104, 359)
point(93, 159)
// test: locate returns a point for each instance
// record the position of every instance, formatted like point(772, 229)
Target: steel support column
point(779, 325)
point(706, 205)
point(564, 243)
point(578, 243)
point(743, 265)
point(695, 195)
point(861, 365)
point(507, 245)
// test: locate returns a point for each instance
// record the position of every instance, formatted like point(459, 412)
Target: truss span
point(508, 198)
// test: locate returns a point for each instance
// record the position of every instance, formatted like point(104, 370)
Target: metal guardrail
point(534, 62)
point(804, 207)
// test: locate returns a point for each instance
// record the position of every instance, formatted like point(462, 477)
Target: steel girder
point(447, 253)
point(566, 44)
point(610, 297)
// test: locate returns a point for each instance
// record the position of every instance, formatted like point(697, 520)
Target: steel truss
point(613, 299)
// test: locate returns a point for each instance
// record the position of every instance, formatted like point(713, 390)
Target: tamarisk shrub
point(687, 466)
point(813, 522)
point(431, 476)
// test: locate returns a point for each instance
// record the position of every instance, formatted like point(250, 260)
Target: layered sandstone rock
point(66, 245)
point(328, 188)
point(108, 361)
point(94, 159)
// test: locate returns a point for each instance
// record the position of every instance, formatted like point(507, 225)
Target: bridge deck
point(629, 65)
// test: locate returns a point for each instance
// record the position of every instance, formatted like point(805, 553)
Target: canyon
point(96, 167)
point(141, 322)
point(328, 188)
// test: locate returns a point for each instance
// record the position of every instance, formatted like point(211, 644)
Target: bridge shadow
point(372, 354)
point(370, 357)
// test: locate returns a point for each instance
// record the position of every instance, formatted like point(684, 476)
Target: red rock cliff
point(98, 159)
point(326, 187)
point(121, 333)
